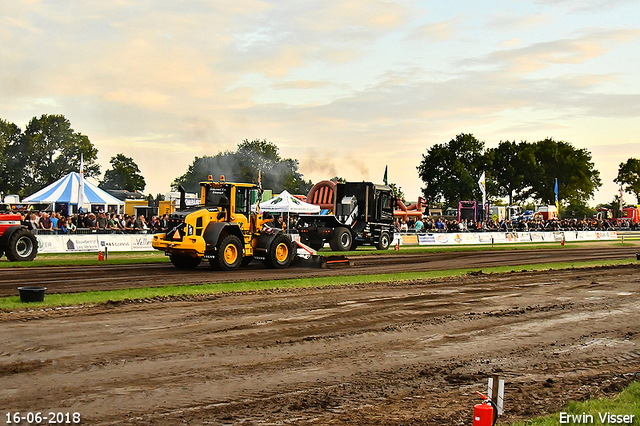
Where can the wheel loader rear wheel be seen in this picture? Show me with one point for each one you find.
(280, 253)
(229, 254)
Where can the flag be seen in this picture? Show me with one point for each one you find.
(81, 199)
(556, 192)
(483, 187)
(385, 179)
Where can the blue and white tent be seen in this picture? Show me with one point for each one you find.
(66, 191)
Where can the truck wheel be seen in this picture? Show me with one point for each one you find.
(184, 262)
(384, 242)
(229, 254)
(341, 240)
(22, 246)
(280, 253)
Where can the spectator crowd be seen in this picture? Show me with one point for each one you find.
(86, 223)
(437, 224)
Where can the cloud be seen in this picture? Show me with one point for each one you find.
(437, 31)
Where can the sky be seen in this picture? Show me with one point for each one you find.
(346, 87)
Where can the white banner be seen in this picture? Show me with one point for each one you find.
(463, 238)
(142, 242)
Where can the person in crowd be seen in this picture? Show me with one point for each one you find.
(279, 223)
(128, 223)
(111, 223)
(91, 221)
(140, 224)
(154, 225)
(101, 221)
(63, 227)
(45, 222)
(418, 227)
(54, 220)
(30, 222)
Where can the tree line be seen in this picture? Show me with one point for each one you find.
(517, 171)
(48, 149)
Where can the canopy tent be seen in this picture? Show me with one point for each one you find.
(67, 191)
(287, 203)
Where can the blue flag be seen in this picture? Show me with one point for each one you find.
(556, 191)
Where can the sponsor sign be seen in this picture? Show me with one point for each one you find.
(50, 244)
(114, 243)
(141, 242)
(426, 239)
(74, 243)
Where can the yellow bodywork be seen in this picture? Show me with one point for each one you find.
(191, 242)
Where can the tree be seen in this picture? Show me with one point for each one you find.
(450, 171)
(510, 162)
(10, 177)
(577, 178)
(397, 192)
(47, 150)
(258, 157)
(629, 175)
(124, 174)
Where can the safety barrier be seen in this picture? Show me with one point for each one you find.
(93, 243)
(141, 242)
(464, 238)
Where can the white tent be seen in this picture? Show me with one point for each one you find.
(67, 191)
(287, 203)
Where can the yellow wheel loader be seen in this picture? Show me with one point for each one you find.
(224, 229)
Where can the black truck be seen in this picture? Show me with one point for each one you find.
(363, 215)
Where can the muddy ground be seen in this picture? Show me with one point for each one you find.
(405, 353)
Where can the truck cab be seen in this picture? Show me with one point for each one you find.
(363, 215)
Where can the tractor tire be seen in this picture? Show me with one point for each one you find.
(342, 240)
(384, 242)
(185, 262)
(280, 253)
(229, 254)
(22, 246)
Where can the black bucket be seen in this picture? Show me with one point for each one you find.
(637, 256)
(31, 294)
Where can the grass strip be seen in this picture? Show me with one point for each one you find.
(96, 297)
(593, 411)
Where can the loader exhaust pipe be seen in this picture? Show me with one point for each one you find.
(183, 197)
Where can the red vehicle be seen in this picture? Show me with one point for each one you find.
(15, 240)
(629, 215)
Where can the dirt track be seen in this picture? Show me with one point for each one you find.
(401, 353)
